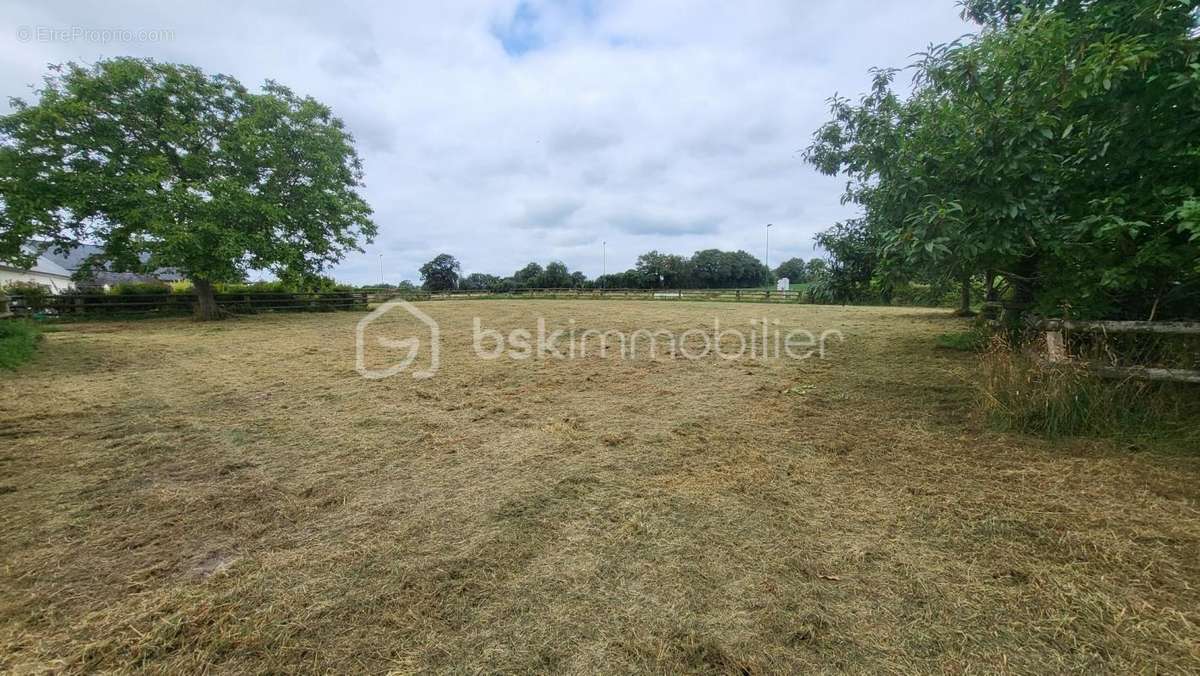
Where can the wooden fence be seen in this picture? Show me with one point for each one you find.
(1055, 330)
(733, 295)
(110, 305)
(102, 305)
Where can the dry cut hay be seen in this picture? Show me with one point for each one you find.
(182, 497)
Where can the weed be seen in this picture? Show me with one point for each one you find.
(1024, 393)
(18, 342)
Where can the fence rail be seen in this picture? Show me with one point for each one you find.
(744, 295)
(1121, 326)
(101, 305)
(1055, 330)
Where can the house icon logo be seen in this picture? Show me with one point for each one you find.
(410, 345)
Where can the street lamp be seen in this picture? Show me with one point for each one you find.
(381, 280)
(603, 263)
(767, 255)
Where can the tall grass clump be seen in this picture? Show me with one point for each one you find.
(18, 341)
(1023, 392)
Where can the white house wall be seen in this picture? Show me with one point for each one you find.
(56, 283)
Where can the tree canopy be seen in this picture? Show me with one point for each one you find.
(711, 268)
(794, 269)
(1057, 148)
(441, 273)
(167, 167)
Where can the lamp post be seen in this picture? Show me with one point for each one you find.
(381, 280)
(603, 263)
(767, 254)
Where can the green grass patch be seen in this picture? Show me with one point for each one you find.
(18, 342)
(972, 340)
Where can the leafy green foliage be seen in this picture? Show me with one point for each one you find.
(713, 268)
(441, 273)
(1058, 147)
(853, 259)
(529, 276)
(139, 288)
(659, 270)
(795, 269)
(317, 284)
(478, 281)
(34, 295)
(556, 276)
(167, 167)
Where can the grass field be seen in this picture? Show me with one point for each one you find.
(181, 496)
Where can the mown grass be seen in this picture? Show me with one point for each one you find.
(18, 342)
(183, 497)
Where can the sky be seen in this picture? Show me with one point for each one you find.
(510, 131)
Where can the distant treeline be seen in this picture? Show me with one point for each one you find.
(707, 269)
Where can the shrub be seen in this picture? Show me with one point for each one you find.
(255, 287)
(139, 288)
(820, 291)
(34, 295)
(18, 341)
(310, 285)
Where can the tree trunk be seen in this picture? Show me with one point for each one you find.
(206, 301)
(964, 303)
(989, 295)
(1023, 282)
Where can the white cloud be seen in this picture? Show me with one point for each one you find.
(505, 131)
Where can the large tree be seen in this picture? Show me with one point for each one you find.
(556, 276)
(715, 269)
(529, 277)
(1058, 148)
(794, 269)
(441, 273)
(663, 270)
(167, 167)
(853, 259)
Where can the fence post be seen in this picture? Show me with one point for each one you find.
(1055, 347)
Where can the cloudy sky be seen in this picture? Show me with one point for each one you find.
(515, 130)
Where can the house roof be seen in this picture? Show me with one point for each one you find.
(43, 265)
(72, 259)
(48, 267)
